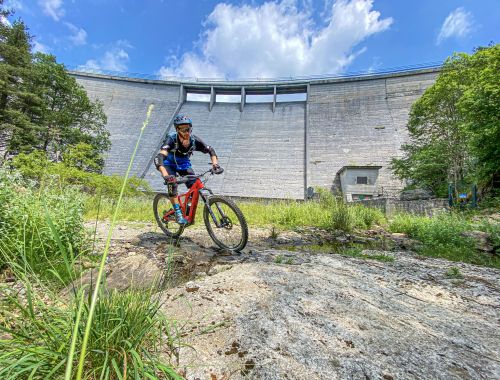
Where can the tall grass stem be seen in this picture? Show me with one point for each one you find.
(103, 259)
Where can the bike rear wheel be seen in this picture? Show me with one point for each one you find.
(165, 216)
(230, 232)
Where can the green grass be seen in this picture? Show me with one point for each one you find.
(329, 213)
(441, 236)
(137, 208)
(127, 333)
(116, 335)
(41, 228)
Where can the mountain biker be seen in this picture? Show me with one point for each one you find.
(174, 158)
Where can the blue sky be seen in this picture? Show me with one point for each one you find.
(249, 39)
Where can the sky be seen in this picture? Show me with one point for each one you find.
(255, 39)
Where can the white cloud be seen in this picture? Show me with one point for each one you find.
(278, 39)
(457, 24)
(115, 59)
(79, 36)
(16, 5)
(39, 47)
(52, 8)
(5, 21)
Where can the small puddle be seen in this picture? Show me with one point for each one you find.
(374, 249)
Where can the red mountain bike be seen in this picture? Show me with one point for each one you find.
(225, 222)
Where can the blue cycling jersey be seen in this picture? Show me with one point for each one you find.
(178, 155)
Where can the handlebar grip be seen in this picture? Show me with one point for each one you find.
(182, 180)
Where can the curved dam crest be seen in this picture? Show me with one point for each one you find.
(273, 149)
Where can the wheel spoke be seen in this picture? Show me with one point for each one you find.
(230, 231)
(167, 223)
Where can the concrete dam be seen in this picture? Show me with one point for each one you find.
(278, 138)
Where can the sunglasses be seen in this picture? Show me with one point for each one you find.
(184, 130)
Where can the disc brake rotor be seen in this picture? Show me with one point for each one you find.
(226, 223)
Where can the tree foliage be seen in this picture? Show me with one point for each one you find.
(454, 127)
(41, 106)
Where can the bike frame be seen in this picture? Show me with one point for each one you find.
(192, 196)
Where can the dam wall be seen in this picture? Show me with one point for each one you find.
(360, 123)
(125, 105)
(268, 150)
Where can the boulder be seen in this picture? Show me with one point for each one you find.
(128, 272)
(403, 242)
(482, 240)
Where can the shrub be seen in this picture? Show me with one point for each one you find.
(41, 228)
(342, 218)
(346, 216)
(367, 217)
(38, 167)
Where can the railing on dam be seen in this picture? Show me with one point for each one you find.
(365, 73)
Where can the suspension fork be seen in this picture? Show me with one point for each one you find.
(205, 200)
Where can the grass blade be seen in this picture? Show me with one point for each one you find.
(105, 253)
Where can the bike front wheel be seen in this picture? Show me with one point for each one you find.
(225, 223)
(165, 216)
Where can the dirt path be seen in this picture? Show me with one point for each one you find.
(279, 311)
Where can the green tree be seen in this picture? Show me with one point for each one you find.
(454, 126)
(42, 107)
(69, 117)
(480, 107)
(19, 108)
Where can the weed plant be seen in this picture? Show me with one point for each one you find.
(329, 213)
(116, 335)
(454, 272)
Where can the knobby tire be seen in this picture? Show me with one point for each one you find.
(217, 199)
(171, 229)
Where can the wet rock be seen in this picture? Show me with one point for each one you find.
(342, 239)
(374, 252)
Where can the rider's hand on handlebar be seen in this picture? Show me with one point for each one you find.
(169, 179)
(216, 169)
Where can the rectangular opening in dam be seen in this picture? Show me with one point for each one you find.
(259, 98)
(190, 97)
(295, 97)
(222, 98)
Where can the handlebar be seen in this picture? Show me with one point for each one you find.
(188, 177)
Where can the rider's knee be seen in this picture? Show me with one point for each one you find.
(172, 189)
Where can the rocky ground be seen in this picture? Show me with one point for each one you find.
(288, 307)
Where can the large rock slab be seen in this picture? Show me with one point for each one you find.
(337, 317)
